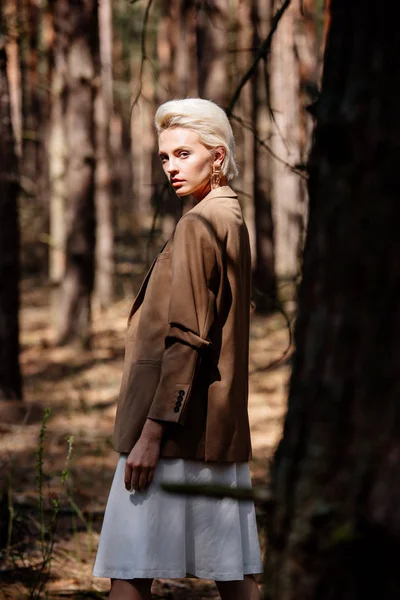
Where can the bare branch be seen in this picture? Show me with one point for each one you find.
(260, 495)
(262, 143)
(261, 369)
(262, 52)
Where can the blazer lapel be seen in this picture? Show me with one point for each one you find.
(142, 290)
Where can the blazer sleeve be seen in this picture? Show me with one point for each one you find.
(191, 314)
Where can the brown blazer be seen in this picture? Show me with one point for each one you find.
(186, 354)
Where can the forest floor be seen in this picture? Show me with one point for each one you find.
(80, 387)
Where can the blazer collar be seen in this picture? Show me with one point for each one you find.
(221, 192)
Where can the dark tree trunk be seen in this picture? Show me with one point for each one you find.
(264, 272)
(29, 19)
(10, 376)
(79, 20)
(334, 527)
(309, 60)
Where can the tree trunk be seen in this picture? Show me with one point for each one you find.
(11, 21)
(334, 526)
(178, 78)
(57, 155)
(10, 376)
(29, 19)
(240, 61)
(212, 45)
(78, 21)
(309, 59)
(284, 141)
(104, 280)
(264, 272)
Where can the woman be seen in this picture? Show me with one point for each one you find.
(182, 410)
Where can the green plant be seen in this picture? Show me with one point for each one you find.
(48, 527)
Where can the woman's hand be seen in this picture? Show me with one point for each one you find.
(143, 458)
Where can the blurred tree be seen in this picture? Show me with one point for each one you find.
(76, 26)
(264, 272)
(308, 55)
(104, 279)
(10, 376)
(287, 208)
(32, 102)
(178, 78)
(240, 59)
(143, 86)
(57, 157)
(334, 526)
(212, 31)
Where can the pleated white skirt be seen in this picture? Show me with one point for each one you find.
(154, 534)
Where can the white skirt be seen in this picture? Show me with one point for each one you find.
(154, 534)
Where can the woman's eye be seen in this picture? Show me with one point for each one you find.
(184, 154)
(163, 159)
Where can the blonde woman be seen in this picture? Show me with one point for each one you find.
(182, 410)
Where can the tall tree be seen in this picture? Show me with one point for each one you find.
(241, 60)
(309, 59)
(76, 21)
(264, 272)
(334, 527)
(57, 157)
(212, 21)
(10, 376)
(104, 280)
(288, 210)
(178, 78)
(29, 19)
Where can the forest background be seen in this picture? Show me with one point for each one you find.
(79, 85)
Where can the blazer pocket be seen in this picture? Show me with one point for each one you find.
(163, 256)
(148, 362)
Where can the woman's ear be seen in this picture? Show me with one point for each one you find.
(219, 155)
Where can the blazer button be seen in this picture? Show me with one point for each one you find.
(181, 392)
(178, 403)
(176, 409)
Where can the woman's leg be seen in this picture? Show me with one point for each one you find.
(132, 589)
(246, 589)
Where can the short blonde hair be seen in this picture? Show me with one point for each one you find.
(207, 119)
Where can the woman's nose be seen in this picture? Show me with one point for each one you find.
(172, 167)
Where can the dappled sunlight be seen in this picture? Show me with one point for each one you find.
(81, 390)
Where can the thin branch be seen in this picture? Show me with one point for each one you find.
(260, 495)
(278, 306)
(262, 52)
(267, 148)
(270, 109)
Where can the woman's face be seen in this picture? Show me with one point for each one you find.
(186, 162)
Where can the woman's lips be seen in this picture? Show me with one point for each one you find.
(175, 182)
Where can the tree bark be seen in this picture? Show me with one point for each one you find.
(334, 526)
(309, 60)
(10, 375)
(79, 20)
(104, 279)
(284, 142)
(178, 78)
(11, 21)
(240, 61)
(29, 19)
(264, 273)
(212, 45)
(57, 156)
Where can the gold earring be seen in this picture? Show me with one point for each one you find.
(216, 174)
